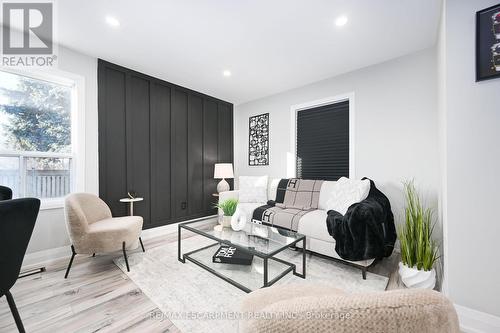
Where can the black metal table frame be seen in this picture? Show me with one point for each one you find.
(266, 257)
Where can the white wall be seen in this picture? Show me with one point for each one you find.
(50, 229)
(472, 167)
(396, 123)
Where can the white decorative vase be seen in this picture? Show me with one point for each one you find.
(238, 220)
(417, 278)
(223, 186)
(225, 221)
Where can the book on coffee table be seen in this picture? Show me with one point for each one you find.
(231, 255)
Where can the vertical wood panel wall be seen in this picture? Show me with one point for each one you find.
(160, 141)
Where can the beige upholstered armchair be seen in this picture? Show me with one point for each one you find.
(93, 230)
(318, 309)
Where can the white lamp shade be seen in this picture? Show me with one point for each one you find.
(223, 170)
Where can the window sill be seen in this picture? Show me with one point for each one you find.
(55, 203)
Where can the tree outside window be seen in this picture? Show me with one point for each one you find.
(35, 136)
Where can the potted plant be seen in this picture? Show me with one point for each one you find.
(419, 251)
(228, 207)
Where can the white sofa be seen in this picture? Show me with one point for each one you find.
(312, 224)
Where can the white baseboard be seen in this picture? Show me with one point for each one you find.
(34, 259)
(473, 321)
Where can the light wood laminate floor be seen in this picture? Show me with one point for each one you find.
(99, 297)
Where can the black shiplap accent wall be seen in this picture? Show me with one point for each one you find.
(161, 141)
(210, 150)
(160, 124)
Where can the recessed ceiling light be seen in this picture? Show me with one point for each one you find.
(341, 21)
(112, 21)
(226, 73)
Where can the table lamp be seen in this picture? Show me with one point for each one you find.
(223, 171)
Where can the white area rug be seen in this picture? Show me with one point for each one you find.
(181, 290)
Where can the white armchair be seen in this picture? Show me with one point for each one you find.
(92, 229)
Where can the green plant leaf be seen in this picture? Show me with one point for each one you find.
(418, 249)
(228, 206)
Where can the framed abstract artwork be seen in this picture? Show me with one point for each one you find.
(258, 140)
(488, 43)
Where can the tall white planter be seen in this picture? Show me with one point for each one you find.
(416, 278)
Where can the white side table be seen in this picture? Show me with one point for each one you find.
(131, 203)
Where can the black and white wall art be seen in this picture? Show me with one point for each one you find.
(488, 43)
(258, 140)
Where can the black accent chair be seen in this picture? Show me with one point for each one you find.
(17, 220)
(5, 193)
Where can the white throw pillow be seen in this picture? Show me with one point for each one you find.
(325, 193)
(346, 193)
(253, 189)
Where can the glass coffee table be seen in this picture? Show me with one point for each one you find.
(263, 242)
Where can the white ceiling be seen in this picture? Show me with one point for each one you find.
(269, 45)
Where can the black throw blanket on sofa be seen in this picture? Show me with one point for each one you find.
(367, 229)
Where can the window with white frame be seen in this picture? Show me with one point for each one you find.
(323, 141)
(36, 155)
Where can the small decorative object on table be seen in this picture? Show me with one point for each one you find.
(230, 255)
(238, 220)
(228, 207)
(223, 171)
(419, 251)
